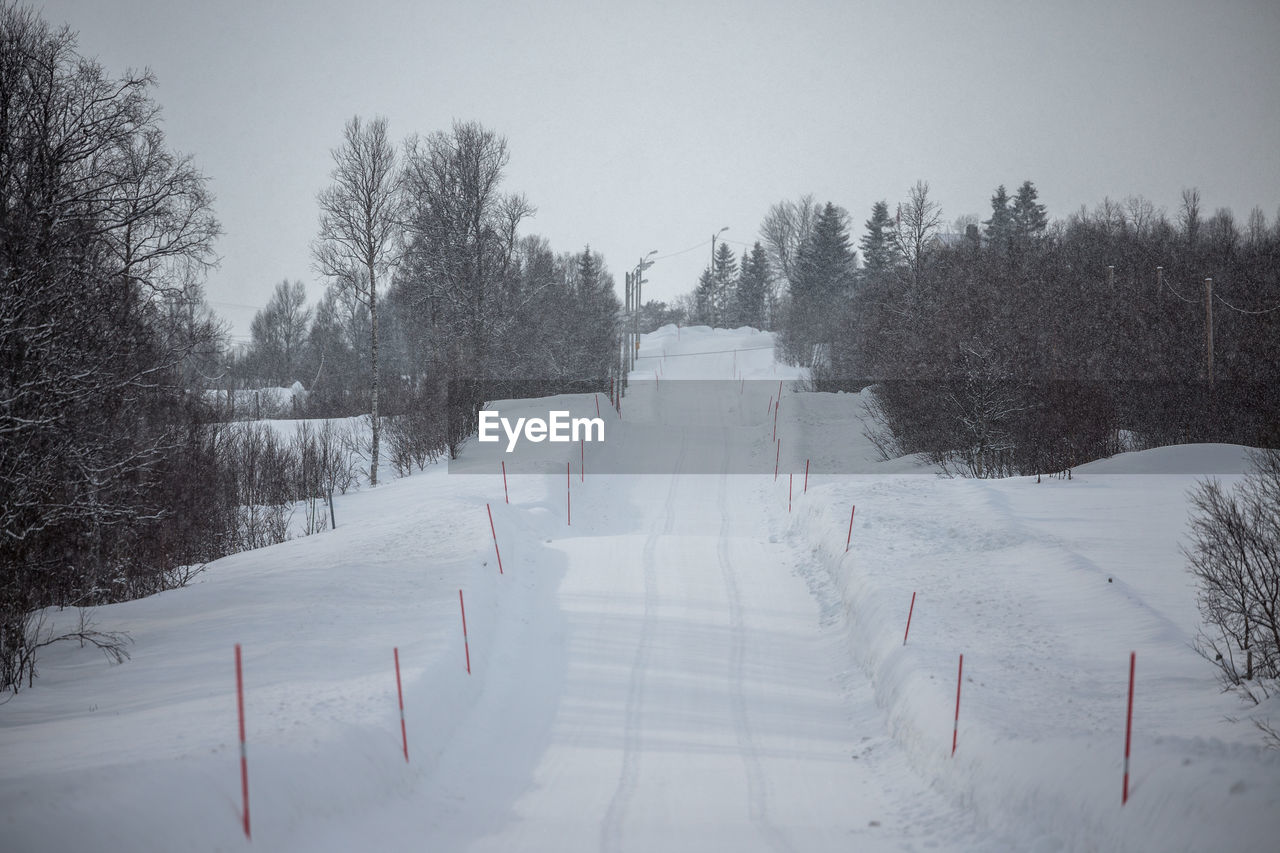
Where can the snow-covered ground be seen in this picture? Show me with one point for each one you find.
(686, 666)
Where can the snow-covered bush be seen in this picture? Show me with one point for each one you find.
(1235, 557)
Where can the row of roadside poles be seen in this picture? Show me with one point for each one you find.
(634, 288)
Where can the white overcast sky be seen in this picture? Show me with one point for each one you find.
(649, 125)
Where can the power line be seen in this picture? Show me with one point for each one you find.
(1242, 310)
(707, 352)
(681, 252)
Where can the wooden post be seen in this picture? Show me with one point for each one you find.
(1128, 730)
(244, 762)
(404, 737)
(955, 730)
(1208, 329)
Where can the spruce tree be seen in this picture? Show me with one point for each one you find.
(753, 288)
(726, 267)
(999, 230)
(1027, 217)
(704, 299)
(878, 249)
(822, 284)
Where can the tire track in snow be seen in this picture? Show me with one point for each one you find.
(757, 782)
(611, 828)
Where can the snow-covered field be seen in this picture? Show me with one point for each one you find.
(687, 666)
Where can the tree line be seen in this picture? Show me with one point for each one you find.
(1020, 345)
(119, 473)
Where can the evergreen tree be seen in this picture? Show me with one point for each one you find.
(704, 299)
(999, 230)
(753, 289)
(822, 284)
(1026, 217)
(588, 274)
(879, 252)
(726, 266)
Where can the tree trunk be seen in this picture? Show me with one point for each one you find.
(373, 338)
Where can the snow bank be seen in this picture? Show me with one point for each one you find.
(1045, 589)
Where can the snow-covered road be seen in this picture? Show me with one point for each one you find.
(704, 705)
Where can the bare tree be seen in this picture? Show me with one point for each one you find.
(1235, 557)
(278, 332)
(1189, 215)
(918, 220)
(785, 228)
(360, 218)
(103, 234)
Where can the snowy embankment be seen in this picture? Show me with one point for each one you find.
(688, 666)
(1045, 588)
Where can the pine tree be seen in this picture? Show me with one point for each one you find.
(726, 266)
(879, 252)
(999, 230)
(1027, 217)
(753, 288)
(588, 274)
(822, 284)
(704, 299)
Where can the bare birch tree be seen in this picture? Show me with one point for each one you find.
(359, 220)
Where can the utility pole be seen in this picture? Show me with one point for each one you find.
(1208, 329)
(637, 279)
(712, 271)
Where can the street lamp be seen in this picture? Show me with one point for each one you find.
(636, 280)
(711, 270)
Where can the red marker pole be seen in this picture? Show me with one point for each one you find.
(956, 728)
(404, 737)
(776, 457)
(791, 485)
(244, 761)
(806, 476)
(505, 493)
(597, 396)
(766, 411)
(910, 610)
(568, 504)
(1128, 730)
(849, 538)
(775, 417)
(466, 644)
(495, 538)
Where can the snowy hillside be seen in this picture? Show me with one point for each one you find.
(693, 660)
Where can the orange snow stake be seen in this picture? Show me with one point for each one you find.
(495, 538)
(910, 610)
(244, 761)
(404, 737)
(466, 645)
(1128, 730)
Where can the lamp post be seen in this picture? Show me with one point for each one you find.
(637, 279)
(712, 269)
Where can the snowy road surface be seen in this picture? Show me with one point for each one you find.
(703, 705)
